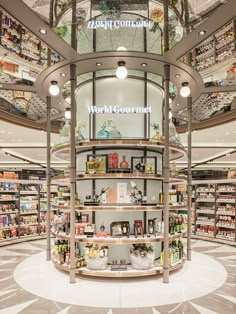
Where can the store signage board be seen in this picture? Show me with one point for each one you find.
(118, 109)
(115, 24)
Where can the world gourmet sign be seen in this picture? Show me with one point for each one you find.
(115, 24)
(118, 109)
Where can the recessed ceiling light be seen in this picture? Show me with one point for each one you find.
(194, 131)
(98, 64)
(227, 133)
(202, 32)
(2, 131)
(233, 131)
(19, 140)
(43, 31)
(59, 103)
(177, 75)
(217, 140)
(222, 140)
(63, 74)
(177, 104)
(143, 64)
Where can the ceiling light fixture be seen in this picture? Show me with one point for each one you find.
(227, 133)
(98, 64)
(177, 75)
(185, 90)
(143, 64)
(121, 71)
(63, 74)
(54, 90)
(68, 113)
(43, 31)
(68, 100)
(202, 32)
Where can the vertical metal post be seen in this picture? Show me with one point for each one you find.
(72, 172)
(166, 148)
(189, 177)
(166, 174)
(48, 177)
(72, 147)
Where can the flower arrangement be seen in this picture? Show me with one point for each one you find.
(141, 256)
(96, 258)
(157, 16)
(157, 136)
(141, 250)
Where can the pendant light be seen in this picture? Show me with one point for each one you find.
(68, 114)
(185, 90)
(54, 90)
(121, 71)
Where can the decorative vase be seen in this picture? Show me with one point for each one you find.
(103, 133)
(142, 262)
(97, 263)
(114, 133)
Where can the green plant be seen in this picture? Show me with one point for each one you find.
(61, 30)
(155, 126)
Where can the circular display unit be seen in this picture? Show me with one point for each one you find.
(61, 151)
(120, 208)
(79, 177)
(118, 240)
(130, 272)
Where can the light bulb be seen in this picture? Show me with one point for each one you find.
(121, 71)
(185, 90)
(68, 114)
(68, 100)
(54, 90)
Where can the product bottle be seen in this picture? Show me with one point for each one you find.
(124, 164)
(161, 198)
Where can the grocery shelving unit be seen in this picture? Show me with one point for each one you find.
(215, 206)
(20, 210)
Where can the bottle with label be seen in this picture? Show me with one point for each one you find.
(161, 198)
(124, 164)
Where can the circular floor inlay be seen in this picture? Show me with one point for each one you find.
(197, 278)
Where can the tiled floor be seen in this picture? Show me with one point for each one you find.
(207, 286)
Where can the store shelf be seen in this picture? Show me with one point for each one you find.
(130, 272)
(9, 200)
(224, 191)
(61, 151)
(9, 191)
(29, 213)
(218, 239)
(13, 212)
(226, 227)
(225, 201)
(29, 192)
(8, 227)
(122, 240)
(120, 207)
(97, 176)
(205, 223)
(29, 201)
(202, 211)
(206, 200)
(225, 213)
